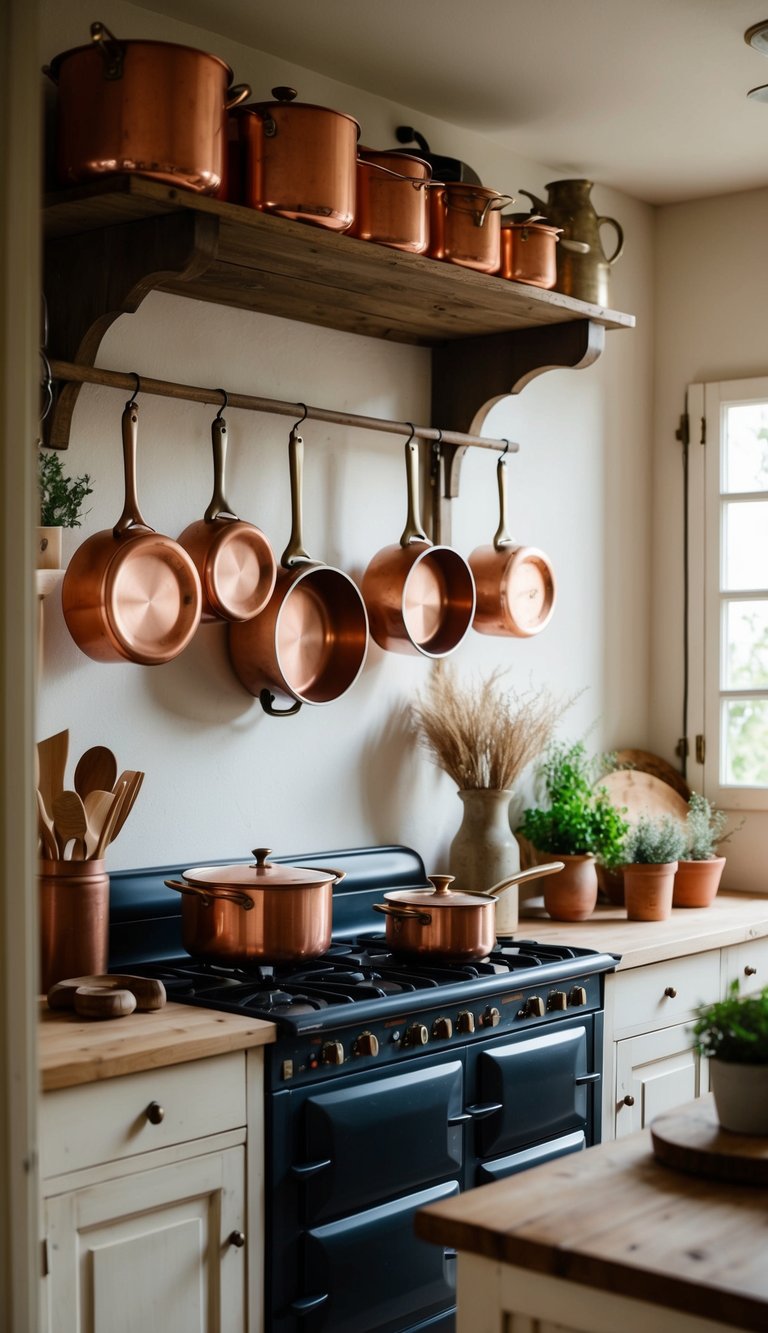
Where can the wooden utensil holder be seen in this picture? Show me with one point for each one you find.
(74, 920)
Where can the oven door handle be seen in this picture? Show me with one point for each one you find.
(307, 1304)
(307, 1169)
(479, 1112)
(587, 1078)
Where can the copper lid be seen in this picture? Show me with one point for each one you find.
(439, 896)
(262, 875)
(285, 97)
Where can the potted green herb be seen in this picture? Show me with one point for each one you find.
(578, 824)
(61, 506)
(733, 1035)
(700, 869)
(652, 849)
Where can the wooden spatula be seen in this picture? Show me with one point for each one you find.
(52, 759)
(97, 805)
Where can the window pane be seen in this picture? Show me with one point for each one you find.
(745, 543)
(746, 645)
(745, 737)
(745, 462)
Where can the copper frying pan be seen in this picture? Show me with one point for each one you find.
(515, 584)
(420, 597)
(129, 594)
(234, 560)
(310, 642)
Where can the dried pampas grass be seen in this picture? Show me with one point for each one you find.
(481, 735)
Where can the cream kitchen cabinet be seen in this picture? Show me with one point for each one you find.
(746, 963)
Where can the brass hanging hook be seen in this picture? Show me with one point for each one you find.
(223, 408)
(137, 389)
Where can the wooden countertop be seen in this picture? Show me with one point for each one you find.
(616, 1219)
(73, 1050)
(731, 919)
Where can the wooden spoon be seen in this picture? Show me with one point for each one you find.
(69, 821)
(135, 780)
(52, 758)
(96, 771)
(107, 828)
(97, 805)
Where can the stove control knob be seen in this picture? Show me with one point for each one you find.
(578, 995)
(465, 1021)
(534, 1007)
(442, 1027)
(491, 1018)
(417, 1035)
(557, 1000)
(366, 1044)
(332, 1053)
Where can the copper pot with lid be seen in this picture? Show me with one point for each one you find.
(258, 911)
(445, 922)
(300, 160)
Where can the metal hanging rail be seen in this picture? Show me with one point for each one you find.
(113, 379)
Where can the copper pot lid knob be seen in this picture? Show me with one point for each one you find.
(284, 94)
(441, 883)
(261, 854)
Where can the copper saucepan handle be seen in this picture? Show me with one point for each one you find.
(295, 553)
(219, 508)
(210, 896)
(413, 530)
(238, 93)
(522, 877)
(131, 516)
(398, 175)
(501, 537)
(404, 913)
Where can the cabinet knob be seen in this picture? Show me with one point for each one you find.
(155, 1113)
(237, 1238)
(750, 971)
(670, 992)
(628, 1100)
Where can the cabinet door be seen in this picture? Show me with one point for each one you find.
(151, 1250)
(654, 1072)
(748, 964)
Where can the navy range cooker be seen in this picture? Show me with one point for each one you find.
(393, 1083)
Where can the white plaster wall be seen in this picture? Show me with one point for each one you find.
(710, 325)
(221, 776)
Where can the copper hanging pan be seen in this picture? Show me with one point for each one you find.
(420, 597)
(310, 642)
(129, 594)
(515, 584)
(234, 560)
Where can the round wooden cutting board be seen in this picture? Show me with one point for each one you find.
(646, 762)
(691, 1140)
(643, 794)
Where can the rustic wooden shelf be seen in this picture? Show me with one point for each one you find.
(110, 243)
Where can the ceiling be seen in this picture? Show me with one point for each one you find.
(648, 96)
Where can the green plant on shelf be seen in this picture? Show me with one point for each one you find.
(735, 1029)
(61, 497)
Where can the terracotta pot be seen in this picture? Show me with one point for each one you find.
(74, 920)
(741, 1096)
(572, 895)
(648, 891)
(697, 882)
(611, 884)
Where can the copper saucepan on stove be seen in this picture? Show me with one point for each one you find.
(130, 594)
(420, 597)
(310, 642)
(515, 584)
(258, 912)
(234, 560)
(446, 923)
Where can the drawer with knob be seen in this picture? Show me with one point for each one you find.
(748, 964)
(662, 994)
(137, 1113)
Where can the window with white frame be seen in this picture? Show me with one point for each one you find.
(728, 511)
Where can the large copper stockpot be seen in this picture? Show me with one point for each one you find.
(248, 913)
(152, 108)
(300, 160)
(465, 227)
(310, 642)
(234, 560)
(420, 597)
(447, 923)
(129, 594)
(392, 200)
(515, 585)
(529, 251)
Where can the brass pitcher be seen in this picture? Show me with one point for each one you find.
(583, 268)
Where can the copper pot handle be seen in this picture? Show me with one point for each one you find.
(238, 93)
(404, 913)
(112, 51)
(267, 701)
(294, 553)
(131, 516)
(413, 530)
(398, 175)
(210, 896)
(501, 536)
(219, 508)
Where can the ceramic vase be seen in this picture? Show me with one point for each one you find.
(741, 1096)
(571, 894)
(485, 851)
(697, 882)
(648, 890)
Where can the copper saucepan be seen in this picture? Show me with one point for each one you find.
(129, 594)
(447, 923)
(234, 560)
(310, 642)
(420, 597)
(392, 200)
(465, 226)
(515, 584)
(243, 914)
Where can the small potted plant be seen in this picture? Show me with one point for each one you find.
(652, 849)
(700, 869)
(733, 1035)
(61, 506)
(578, 824)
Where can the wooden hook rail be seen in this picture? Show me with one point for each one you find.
(80, 374)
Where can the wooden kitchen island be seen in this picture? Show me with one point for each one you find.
(604, 1241)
